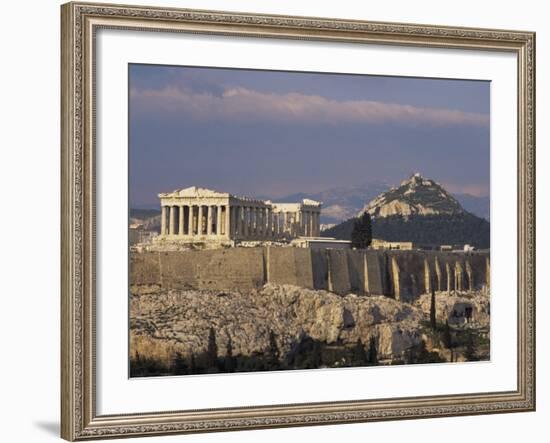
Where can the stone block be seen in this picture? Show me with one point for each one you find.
(145, 269)
(319, 262)
(339, 281)
(289, 266)
(374, 273)
(356, 270)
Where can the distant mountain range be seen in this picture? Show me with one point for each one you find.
(480, 206)
(342, 203)
(339, 203)
(422, 211)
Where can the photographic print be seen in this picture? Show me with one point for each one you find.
(299, 220)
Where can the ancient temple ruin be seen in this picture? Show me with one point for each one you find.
(199, 214)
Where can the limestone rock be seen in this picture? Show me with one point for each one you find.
(415, 196)
(180, 320)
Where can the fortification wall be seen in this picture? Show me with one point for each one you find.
(338, 274)
(404, 275)
(319, 263)
(289, 266)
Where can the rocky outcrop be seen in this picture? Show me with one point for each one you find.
(172, 321)
(415, 196)
(471, 309)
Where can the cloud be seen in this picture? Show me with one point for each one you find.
(246, 105)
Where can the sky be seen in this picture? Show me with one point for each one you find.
(275, 133)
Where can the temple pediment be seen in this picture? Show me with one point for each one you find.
(309, 202)
(194, 191)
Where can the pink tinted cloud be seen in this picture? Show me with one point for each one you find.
(241, 104)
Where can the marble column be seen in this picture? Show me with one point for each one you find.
(218, 220)
(250, 222)
(227, 221)
(209, 220)
(238, 217)
(163, 220)
(269, 222)
(261, 220)
(172, 219)
(318, 223)
(190, 221)
(199, 221)
(245, 222)
(180, 224)
(312, 224)
(232, 216)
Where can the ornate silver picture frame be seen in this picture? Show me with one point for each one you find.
(80, 23)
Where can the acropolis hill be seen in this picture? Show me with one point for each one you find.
(251, 296)
(208, 224)
(255, 271)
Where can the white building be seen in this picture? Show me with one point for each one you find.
(199, 214)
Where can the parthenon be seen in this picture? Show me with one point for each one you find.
(199, 214)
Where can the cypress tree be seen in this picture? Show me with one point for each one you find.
(372, 354)
(447, 337)
(212, 352)
(359, 355)
(272, 351)
(432, 311)
(470, 353)
(229, 359)
(179, 365)
(316, 357)
(361, 235)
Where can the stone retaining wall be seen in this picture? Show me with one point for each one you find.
(404, 275)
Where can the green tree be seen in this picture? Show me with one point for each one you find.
(372, 353)
(470, 352)
(420, 354)
(230, 362)
(447, 336)
(361, 235)
(179, 365)
(273, 352)
(212, 352)
(316, 357)
(432, 311)
(447, 339)
(359, 355)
